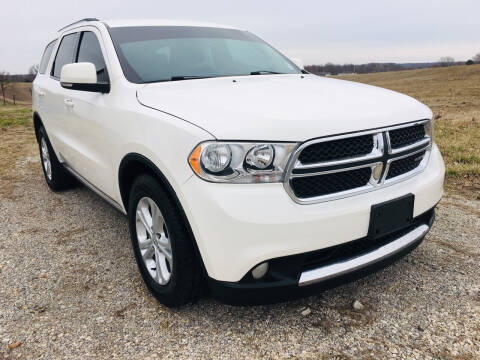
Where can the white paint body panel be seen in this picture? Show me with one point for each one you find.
(235, 226)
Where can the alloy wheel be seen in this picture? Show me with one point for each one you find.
(47, 165)
(154, 241)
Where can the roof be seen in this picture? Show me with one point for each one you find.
(162, 22)
(145, 22)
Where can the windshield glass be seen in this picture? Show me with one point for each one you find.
(166, 53)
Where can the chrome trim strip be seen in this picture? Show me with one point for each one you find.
(424, 142)
(413, 123)
(347, 266)
(97, 191)
(370, 165)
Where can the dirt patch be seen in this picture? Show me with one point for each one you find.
(69, 235)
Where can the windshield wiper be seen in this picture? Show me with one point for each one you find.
(188, 77)
(262, 72)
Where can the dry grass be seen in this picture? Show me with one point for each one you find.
(17, 141)
(22, 92)
(15, 115)
(454, 96)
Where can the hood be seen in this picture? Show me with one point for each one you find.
(281, 107)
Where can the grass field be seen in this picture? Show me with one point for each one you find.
(452, 93)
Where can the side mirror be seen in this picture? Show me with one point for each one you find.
(82, 76)
(298, 62)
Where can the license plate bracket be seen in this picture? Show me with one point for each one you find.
(391, 216)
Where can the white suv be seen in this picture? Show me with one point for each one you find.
(238, 170)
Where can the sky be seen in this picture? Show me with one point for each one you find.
(317, 32)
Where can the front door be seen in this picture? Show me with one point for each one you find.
(89, 120)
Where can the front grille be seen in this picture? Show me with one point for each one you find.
(405, 165)
(323, 169)
(406, 136)
(337, 149)
(311, 186)
(361, 246)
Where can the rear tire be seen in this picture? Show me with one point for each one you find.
(162, 245)
(56, 176)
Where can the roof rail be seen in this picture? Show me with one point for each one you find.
(79, 21)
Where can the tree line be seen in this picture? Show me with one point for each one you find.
(335, 69)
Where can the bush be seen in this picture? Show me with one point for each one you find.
(469, 62)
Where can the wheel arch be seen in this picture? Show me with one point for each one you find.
(134, 164)
(37, 123)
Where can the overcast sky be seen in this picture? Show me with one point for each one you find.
(342, 31)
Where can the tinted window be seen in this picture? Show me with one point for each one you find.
(165, 53)
(90, 51)
(46, 57)
(65, 53)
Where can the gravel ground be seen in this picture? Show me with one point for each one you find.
(70, 289)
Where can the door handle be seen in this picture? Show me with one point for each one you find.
(41, 93)
(68, 102)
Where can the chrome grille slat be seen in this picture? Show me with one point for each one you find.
(380, 158)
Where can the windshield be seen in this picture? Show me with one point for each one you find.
(168, 53)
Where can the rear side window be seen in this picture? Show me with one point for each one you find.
(90, 51)
(46, 57)
(65, 53)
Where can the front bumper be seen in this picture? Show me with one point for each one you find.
(295, 276)
(238, 226)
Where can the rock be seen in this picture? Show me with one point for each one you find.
(357, 305)
(14, 345)
(306, 312)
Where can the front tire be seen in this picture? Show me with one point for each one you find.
(56, 176)
(162, 245)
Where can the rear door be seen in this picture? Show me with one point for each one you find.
(57, 112)
(41, 80)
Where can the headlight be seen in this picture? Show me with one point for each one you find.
(216, 158)
(260, 157)
(429, 129)
(241, 162)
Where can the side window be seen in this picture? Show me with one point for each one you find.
(46, 57)
(65, 53)
(90, 51)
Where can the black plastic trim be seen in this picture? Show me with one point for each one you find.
(97, 87)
